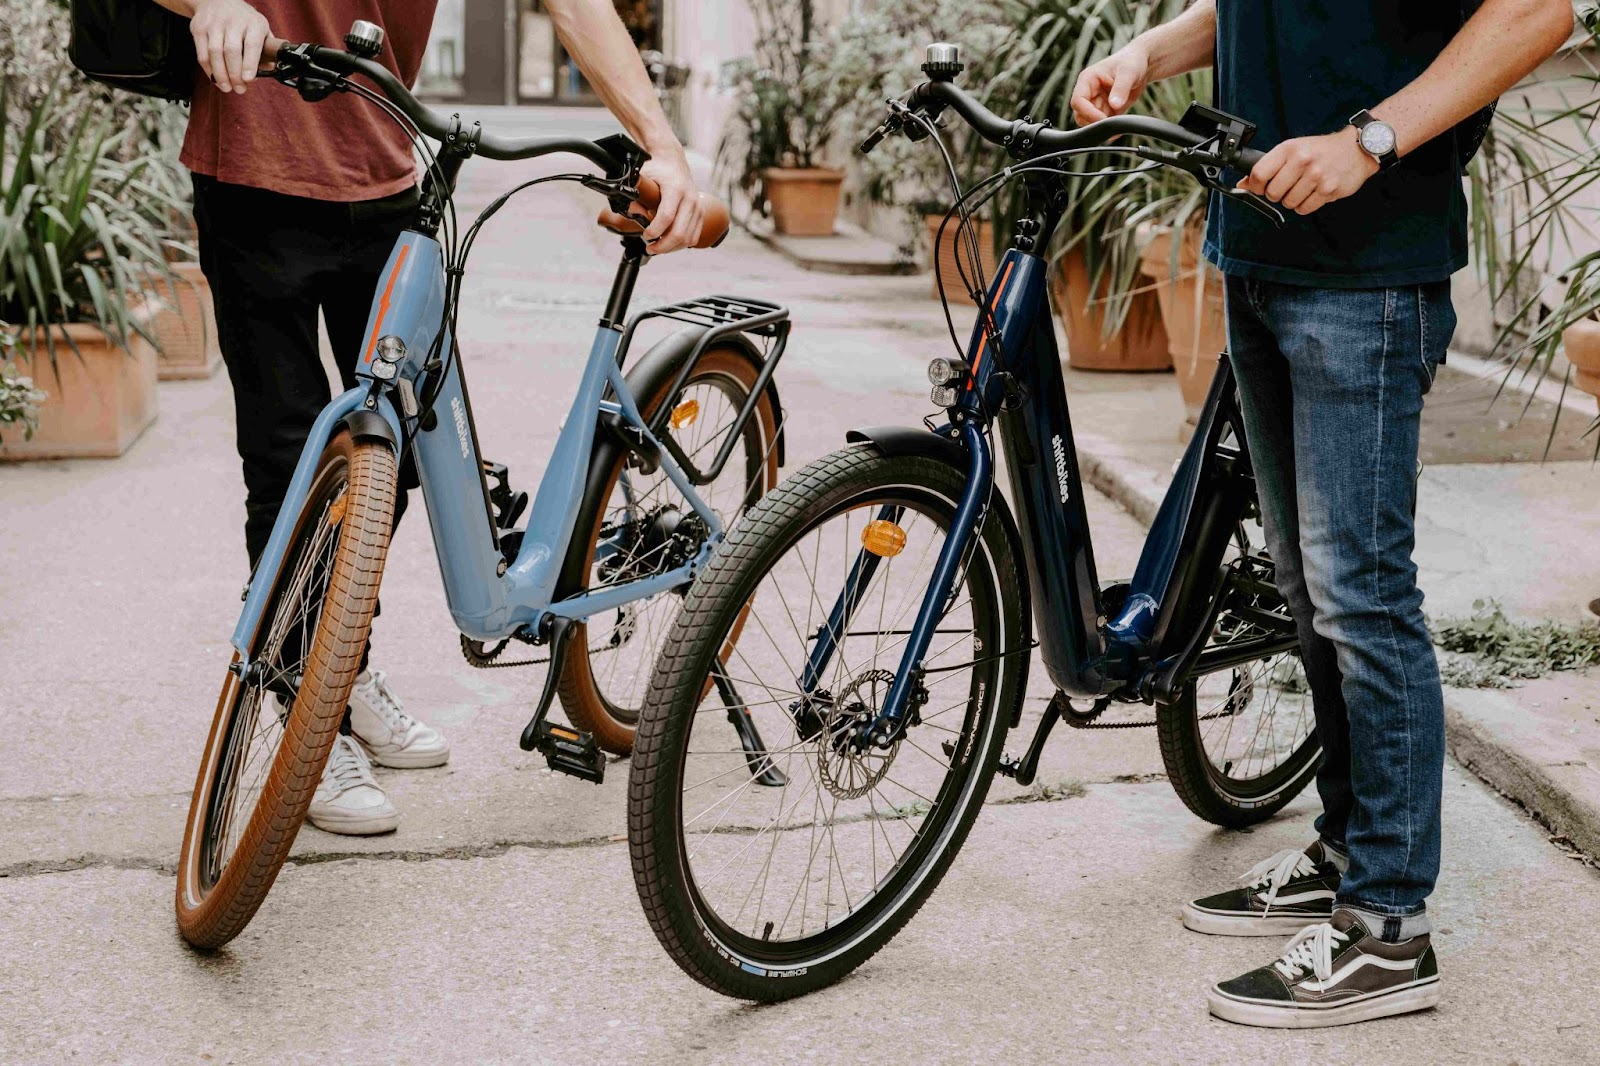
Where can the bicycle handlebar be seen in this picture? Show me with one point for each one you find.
(993, 128)
(432, 124)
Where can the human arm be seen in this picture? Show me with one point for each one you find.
(595, 37)
(1498, 47)
(1110, 86)
(228, 38)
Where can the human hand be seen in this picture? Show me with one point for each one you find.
(1305, 173)
(228, 38)
(1110, 86)
(677, 219)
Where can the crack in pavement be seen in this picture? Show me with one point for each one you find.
(1056, 793)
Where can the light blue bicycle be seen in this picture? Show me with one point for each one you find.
(649, 469)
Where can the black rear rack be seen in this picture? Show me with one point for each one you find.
(719, 316)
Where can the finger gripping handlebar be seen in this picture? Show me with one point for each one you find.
(713, 223)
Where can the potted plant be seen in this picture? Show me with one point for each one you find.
(80, 250)
(905, 176)
(1111, 317)
(789, 101)
(19, 400)
(1190, 293)
(183, 322)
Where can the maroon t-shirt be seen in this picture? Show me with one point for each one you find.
(343, 148)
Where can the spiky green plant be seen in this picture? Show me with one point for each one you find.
(1033, 73)
(80, 239)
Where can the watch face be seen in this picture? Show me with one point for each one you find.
(1377, 138)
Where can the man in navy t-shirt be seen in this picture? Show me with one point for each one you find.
(1337, 323)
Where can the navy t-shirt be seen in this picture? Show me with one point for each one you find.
(1297, 68)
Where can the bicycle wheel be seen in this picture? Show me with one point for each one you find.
(766, 893)
(275, 725)
(1240, 743)
(643, 526)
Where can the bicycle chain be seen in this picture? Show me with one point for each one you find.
(482, 657)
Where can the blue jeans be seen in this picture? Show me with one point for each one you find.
(1331, 383)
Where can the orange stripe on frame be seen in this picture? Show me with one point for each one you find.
(383, 304)
(983, 343)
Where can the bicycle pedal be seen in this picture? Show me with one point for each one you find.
(569, 751)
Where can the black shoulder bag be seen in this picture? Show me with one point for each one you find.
(136, 45)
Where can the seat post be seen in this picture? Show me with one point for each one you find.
(634, 256)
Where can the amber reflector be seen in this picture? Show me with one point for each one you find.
(336, 510)
(685, 413)
(884, 538)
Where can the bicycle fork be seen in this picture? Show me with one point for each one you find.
(891, 719)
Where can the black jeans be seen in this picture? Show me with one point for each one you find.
(273, 262)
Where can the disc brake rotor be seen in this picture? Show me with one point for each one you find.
(845, 772)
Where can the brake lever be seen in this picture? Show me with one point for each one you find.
(1209, 174)
(1251, 200)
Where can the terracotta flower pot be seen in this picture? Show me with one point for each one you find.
(1582, 343)
(804, 199)
(945, 255)
(186, 326)
(1141, 343)
(1192, 312)
(101, 397)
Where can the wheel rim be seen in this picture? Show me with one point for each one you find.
(1257, 726)
(873, 823)
(622, 645)
(263, 699)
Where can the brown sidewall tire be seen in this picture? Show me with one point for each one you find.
(580, 696)
(209, 919)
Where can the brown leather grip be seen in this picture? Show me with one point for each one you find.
(714, 220)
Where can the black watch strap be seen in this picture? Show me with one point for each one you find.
(1360, 120)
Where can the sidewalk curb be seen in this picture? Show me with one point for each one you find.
(1479, 733)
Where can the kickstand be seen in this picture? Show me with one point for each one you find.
(565, 750)
(755, 749)
(1024, 769)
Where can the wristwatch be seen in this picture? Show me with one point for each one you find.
(1376, 138)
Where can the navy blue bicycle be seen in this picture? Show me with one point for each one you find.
(890, 604)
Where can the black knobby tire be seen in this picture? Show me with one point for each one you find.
(1208, 771)
(261, 767)
(703, 939)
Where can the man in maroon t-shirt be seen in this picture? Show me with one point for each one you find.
(297, 208)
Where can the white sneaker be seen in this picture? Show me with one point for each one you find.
(390, 735)
(349, 800)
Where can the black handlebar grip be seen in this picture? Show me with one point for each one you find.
(1246, 158)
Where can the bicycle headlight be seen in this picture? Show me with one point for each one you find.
(389, 349)
(384, 371)
(946, 371)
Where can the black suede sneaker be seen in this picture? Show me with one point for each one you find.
(1277, 897)
(1332, 974)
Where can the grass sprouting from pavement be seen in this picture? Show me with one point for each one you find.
(1490, 650)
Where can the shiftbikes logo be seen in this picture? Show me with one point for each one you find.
(1061, 466)
(460, 412)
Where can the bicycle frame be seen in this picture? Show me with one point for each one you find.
(1153, 642)
(489, 597)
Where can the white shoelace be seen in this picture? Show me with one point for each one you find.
(1311, 949)
(1275, 872)
(347, 766)
(388, 706)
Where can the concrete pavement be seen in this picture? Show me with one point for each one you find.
(500, 922)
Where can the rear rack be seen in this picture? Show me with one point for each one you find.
(720, 316)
